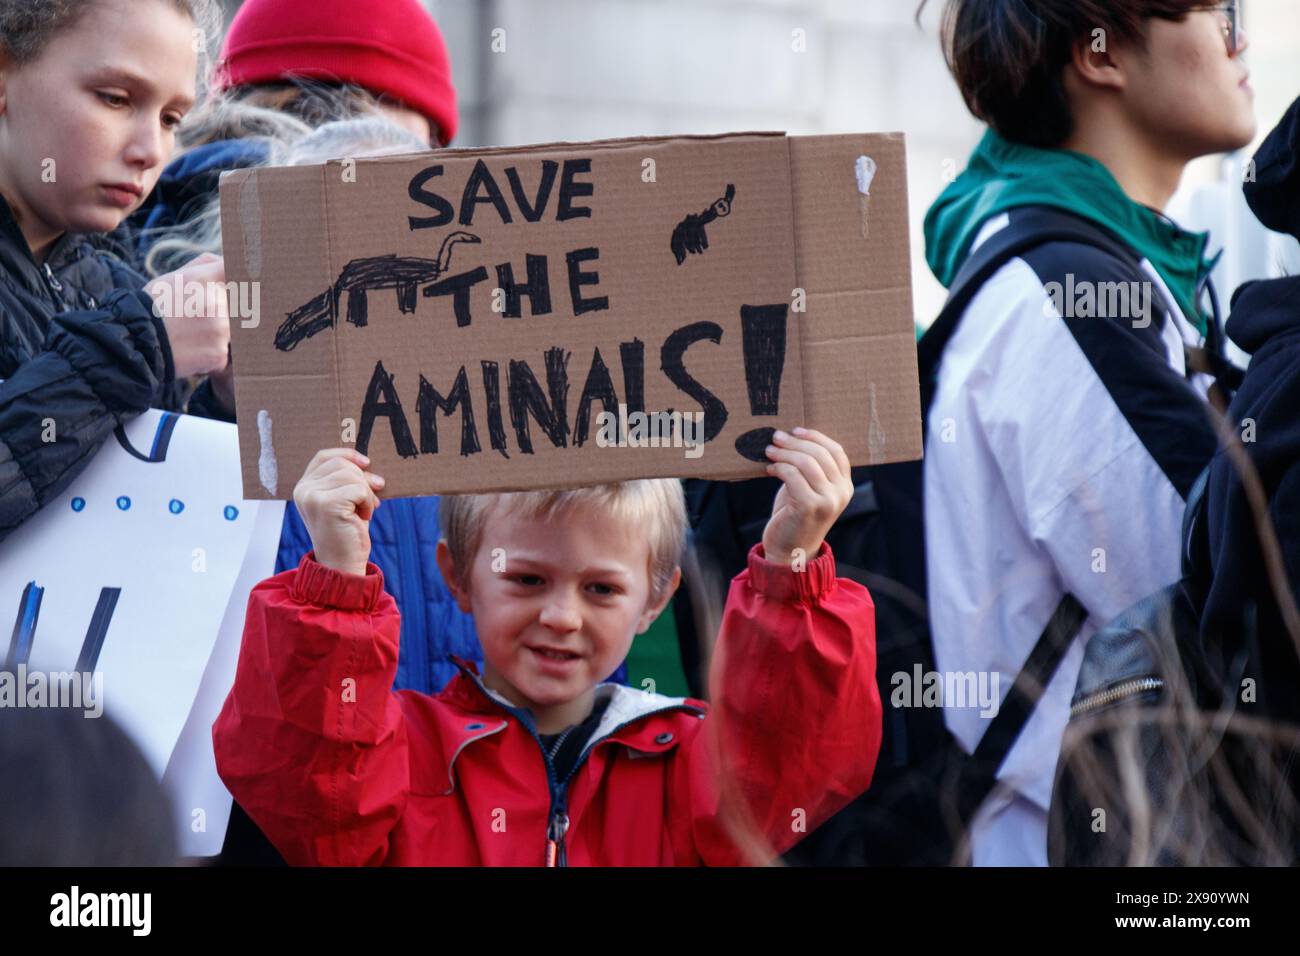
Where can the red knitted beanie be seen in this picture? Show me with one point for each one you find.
(388, 47)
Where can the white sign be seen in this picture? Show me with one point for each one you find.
(121, 586)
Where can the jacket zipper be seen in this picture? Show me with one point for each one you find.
(555, 830)
(557, 825)
(1121, 691)
(55, 285)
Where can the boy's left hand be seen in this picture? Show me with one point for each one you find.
(815, 490)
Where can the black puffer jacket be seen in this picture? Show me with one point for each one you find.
(80, 352)
(1266, 412)
(1266, 323)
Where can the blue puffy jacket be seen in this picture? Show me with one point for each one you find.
(186, 187)
(403, 540)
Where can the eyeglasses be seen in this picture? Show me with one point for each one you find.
(1231, 25)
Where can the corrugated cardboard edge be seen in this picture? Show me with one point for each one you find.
(240, 203)
(877, 272)
(471, 152)
(332, 268)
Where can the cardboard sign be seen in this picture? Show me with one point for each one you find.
(507, 319)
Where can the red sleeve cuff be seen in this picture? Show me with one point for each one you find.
(316, 584)
(781, 582)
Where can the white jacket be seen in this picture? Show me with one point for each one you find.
(1058, 455)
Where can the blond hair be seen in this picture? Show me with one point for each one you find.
(656, 505)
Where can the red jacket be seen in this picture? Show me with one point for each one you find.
(336, 768)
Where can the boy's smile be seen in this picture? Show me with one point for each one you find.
(556, 601)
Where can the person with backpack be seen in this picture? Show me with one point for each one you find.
(91, 94)
(1068, 420)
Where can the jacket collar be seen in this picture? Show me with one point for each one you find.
(1002, 175)
(626, 706)
(16, 257)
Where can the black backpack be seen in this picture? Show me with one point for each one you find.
(926, 789)
(1168, 760)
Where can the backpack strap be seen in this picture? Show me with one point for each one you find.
(1030, 227)
(980, 771)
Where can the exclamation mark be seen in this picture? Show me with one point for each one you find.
(763, 328)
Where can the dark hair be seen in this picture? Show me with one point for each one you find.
(27, 26)
(1008, 56)
(76, 791)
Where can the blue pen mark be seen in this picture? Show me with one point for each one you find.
(176, 506)
(162, 437)
(123, 503)
(29, 610)
(78, 504)
(231, 512)
(99, 622)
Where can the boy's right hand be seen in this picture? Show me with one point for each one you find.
(336, 498)
(200, 343)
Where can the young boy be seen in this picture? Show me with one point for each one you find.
(1067, 426)
(536, 761)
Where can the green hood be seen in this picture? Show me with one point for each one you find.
(1002, 175)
